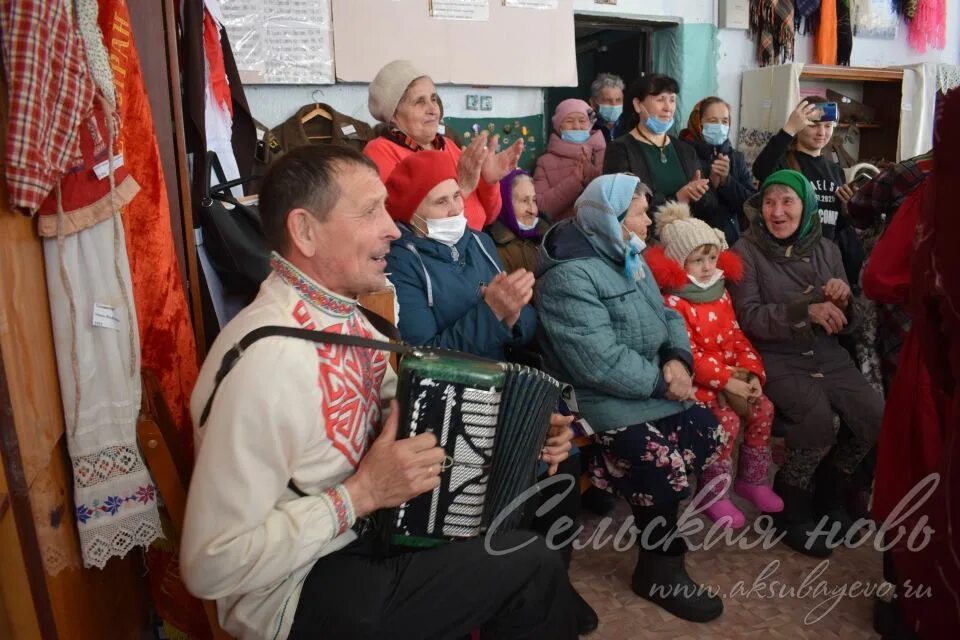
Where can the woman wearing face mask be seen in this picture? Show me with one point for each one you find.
(405, 100)
(667, 165)
(799, 146)
(519, 228)
(607, 332)
(451, 288)
(573, 158)
(708, 130)
(453, 294)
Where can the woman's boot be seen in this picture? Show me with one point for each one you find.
(797, 522)
(660, 575)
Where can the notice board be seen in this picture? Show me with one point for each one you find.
(515, 46)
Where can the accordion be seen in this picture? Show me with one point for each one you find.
(491, 418)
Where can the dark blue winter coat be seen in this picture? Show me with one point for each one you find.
(438, 290)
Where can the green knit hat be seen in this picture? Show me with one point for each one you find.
(804, 190)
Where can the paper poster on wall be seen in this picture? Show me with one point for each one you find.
(460, 9)
(281, 41)
(532, 4)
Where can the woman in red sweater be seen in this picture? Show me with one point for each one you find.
(405, 100)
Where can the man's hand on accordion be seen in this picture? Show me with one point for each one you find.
(394, 471)
(559, 441)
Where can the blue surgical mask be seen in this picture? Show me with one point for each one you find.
(715, 133)
(576, 136)
(610, 112)
(631, 263)
(658, 126)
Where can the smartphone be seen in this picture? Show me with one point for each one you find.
(829, 111)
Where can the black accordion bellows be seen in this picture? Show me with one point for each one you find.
(492, 419)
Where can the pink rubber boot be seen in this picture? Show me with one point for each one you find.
(721, 511)
(751, 481)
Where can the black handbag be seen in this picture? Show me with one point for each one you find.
(233, 237)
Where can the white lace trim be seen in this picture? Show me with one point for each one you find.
(948, 77)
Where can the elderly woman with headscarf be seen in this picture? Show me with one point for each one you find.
(574, 157)
(607, 332)
(792, 302)
(405, 100)
(519, 228)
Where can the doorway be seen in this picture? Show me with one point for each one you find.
(611, 45)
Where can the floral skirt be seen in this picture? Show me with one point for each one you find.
(647, 463)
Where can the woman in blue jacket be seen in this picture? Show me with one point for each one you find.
(607, 332)
(451, 288)
(453, 293)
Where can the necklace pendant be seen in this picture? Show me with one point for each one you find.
(663, 157)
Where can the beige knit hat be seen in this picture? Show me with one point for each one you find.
(388, 86)
(680, 234)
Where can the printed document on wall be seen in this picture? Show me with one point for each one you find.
(281, 41)
(532, 4)
(460, 9)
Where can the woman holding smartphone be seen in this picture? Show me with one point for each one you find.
(799, 146)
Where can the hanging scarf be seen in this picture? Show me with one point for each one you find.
(771, 22)
(906, 8)
(825, 40)
(928, 26)
(806, 12)
(844, 33)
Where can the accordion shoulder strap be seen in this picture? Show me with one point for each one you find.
(231, 357)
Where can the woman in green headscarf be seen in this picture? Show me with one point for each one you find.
(793, 302)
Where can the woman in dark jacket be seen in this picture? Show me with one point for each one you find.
(793, 302)
(708, 131)
(667, 165)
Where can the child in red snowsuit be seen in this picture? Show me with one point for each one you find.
(690, 265)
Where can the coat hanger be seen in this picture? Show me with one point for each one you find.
(317, 111)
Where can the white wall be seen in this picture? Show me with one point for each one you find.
(273, 104)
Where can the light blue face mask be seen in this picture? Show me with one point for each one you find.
(576, 136)
(658, 126)
(631, 262)
(715, 133)
(610, 112)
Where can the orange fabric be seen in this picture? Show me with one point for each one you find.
(825, 42)
(480, 209)
(166, 337)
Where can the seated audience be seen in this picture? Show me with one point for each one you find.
(606, 98)
(405, 100)
(573, 158)
(691, 264)
(799, 146)
(519, 228)
(607, 332)
(792, 303)
(668, 166)
(291, 465)
(453, 294)
(708, 130)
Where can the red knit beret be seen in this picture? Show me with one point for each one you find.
(413, 179)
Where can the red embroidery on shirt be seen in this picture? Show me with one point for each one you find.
(349, 379)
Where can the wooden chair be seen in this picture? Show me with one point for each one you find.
(170, 468)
